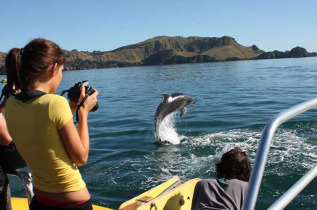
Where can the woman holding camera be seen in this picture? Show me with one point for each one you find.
(41, 124)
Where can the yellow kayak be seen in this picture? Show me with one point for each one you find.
(172, 194)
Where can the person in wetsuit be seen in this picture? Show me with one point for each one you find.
(41, 124)
(5, 141)
(10, 158)
(229, 190)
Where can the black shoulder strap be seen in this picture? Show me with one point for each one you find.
(30, 94)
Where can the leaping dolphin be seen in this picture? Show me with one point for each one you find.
(170, 104)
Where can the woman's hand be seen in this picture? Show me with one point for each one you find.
(90, 102)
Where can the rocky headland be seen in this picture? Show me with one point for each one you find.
(164, 50)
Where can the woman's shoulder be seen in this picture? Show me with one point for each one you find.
(56, 101)
(59, 108)
(54, 97)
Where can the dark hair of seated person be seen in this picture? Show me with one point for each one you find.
(234, 164)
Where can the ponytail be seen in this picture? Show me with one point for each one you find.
(12, 63)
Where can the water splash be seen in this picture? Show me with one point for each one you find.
(167, 131)
(289, 146)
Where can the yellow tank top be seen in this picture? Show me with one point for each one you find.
(34, 126)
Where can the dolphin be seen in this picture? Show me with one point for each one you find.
(170, 104)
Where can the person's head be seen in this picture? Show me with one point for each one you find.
(39, 60)
(234, 164)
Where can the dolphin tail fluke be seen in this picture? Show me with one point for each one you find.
(183, 111)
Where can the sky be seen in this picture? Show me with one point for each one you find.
(104, 25)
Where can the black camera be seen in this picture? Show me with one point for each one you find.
(74, 93)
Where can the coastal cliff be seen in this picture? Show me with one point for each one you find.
(296, 52)
(165, 50)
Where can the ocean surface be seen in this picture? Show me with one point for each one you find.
(234, 101)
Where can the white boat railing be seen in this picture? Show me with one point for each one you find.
(262, 154)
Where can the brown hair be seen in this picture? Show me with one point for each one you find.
(22, 65)
(234, 164)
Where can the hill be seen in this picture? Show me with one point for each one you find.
(2, 62)
(296, 52)
(163, 50)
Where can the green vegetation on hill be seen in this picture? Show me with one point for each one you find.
(164, 50)
(296, 52)
(2, 62)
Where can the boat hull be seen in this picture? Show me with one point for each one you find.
(172, 194)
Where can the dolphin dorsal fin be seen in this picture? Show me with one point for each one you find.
(166, 96)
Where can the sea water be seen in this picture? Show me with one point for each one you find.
(234, 101)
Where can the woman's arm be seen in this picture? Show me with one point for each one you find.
(77, 142)
(5, 138)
